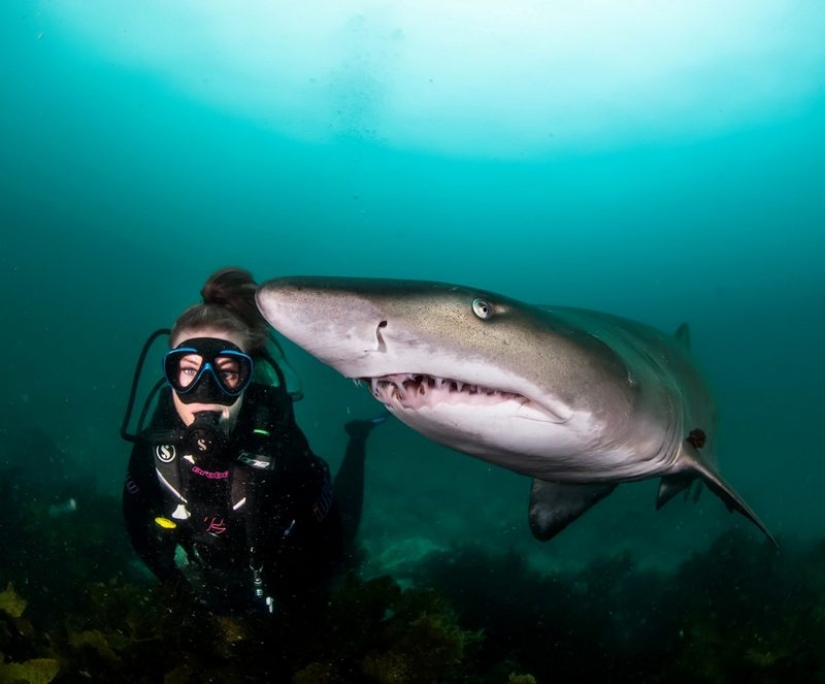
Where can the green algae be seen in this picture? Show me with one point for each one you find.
(10, 603)
(75, 609)
(35, 671)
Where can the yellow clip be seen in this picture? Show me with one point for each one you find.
(165, 523)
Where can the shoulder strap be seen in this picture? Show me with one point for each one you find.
(163, 436)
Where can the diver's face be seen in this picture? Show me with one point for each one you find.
(188, 371)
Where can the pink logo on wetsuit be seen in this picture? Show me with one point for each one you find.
(211, 474)
(214, 524)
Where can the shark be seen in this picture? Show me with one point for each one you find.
(577, 400)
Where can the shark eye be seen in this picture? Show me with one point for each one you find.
(482, 308)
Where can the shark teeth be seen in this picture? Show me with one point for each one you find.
(416, 389)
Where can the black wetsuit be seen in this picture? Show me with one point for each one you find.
(265, 504)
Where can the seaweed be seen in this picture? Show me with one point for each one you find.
(739, 612)
(35, 671)
(74, 609)
(422, 642)
(11, 603)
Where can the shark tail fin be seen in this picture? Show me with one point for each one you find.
(718, 486)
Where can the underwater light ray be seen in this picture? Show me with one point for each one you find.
(474, 78)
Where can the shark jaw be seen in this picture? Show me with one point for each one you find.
(416, 390)
(413, 392)
(496, 425)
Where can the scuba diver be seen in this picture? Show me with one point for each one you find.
(224, 473)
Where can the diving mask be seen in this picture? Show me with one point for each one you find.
(207, 370)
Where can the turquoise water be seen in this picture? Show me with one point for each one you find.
(142, 150)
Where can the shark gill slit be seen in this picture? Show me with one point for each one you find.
(382, 346)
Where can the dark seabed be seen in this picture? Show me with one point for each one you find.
(662, 165)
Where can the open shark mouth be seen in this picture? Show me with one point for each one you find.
(416, 390)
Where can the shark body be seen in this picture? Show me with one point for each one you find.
(577, 400)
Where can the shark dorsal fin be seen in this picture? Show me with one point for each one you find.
(683, 335)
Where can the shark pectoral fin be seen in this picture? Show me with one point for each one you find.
(553, 506)
(723, 490)
(671, 486)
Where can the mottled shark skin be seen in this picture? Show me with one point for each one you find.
(578, 400)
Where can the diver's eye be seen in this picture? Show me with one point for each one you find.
(229, 371)
(482, 308)
(231, 379)
(188, 369)
(186, 376)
